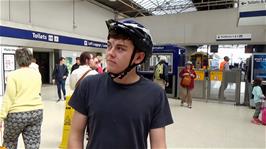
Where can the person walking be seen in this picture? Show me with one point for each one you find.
(258, 100)
(161, 72)
(113, 105)
(22, 106)
(187, 76)
(224, 66)
(60, 74)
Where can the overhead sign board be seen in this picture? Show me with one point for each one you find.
(227, 37)
(244, 3)
(47, 37)
(252, 12)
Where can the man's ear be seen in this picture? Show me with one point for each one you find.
(139, 56)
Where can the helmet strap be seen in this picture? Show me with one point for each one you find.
(123, 73)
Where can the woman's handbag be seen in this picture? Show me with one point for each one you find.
(186, 81)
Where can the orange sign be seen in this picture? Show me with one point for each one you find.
(200, 75)
(216, 75)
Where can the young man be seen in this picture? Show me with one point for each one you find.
(120, 108)
(60, 74)
(224, 66)
(76, 65)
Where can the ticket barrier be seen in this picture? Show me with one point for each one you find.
(222, 86)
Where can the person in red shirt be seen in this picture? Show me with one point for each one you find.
(186, 88)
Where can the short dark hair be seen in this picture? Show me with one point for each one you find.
(23, 57)
(61, 58)
(226, 58)
(77, 58)
(84, 56)
(257, 82)
(119, 35)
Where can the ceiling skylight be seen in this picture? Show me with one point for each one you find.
(161, 7)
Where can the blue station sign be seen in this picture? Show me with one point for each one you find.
(47, 37)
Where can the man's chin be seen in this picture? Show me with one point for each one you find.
(112, 71)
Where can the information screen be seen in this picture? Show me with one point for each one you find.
(259, 66)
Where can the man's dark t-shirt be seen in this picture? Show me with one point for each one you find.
(120, 116)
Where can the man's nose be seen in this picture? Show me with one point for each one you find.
(111, 51)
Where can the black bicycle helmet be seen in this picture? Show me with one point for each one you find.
(140, 36)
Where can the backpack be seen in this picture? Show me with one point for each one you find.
(158, 71)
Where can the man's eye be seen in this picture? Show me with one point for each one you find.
(109, 46)
(120, 49)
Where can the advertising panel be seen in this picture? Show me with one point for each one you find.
(259, 66)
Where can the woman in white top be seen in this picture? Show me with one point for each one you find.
(85, 68)
(33, 65)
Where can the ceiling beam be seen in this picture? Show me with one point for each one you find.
(132, 7)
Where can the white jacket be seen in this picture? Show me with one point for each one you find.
(34, 66)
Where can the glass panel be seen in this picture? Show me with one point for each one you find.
(155, 58)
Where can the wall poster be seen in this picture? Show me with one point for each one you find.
(259, 66)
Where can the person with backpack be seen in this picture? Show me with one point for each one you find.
(161, 72)
(258, 100)
(187, 76)
(121, 108)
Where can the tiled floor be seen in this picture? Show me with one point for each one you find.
(206, 125)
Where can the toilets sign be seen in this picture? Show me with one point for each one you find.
(45, 37)
(11, 32)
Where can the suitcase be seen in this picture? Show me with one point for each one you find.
(263, 116)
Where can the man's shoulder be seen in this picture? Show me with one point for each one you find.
(96, 77)
(147, 83)
(93, 72)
